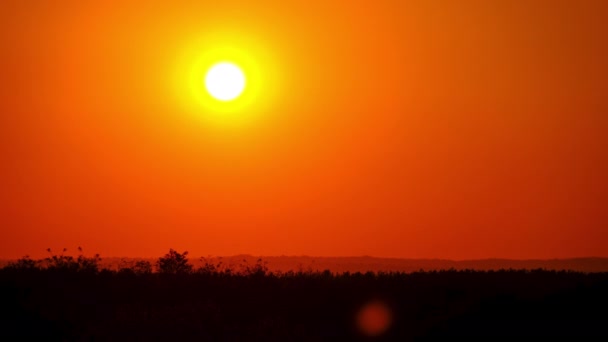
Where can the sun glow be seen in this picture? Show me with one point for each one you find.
(225, 81)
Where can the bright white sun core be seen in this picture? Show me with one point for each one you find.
(225, 81)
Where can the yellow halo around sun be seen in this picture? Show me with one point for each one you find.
(225, 81)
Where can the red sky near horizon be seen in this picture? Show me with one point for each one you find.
(417, 129)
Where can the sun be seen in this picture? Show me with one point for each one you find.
(225, 81)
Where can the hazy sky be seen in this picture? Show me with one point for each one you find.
(425, 129)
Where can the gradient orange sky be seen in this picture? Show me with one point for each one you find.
(422, 129)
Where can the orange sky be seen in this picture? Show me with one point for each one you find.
(424, 129)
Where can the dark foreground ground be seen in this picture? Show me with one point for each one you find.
(104, 305)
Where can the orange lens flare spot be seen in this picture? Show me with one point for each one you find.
(374, 318)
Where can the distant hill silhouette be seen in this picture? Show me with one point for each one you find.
(366, 263)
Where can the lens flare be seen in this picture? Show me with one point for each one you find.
(374, 318)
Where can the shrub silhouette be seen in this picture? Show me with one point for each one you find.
(135, 267)
(259, 269)
(142, 267)
(209, 268)
(174, 263)
(69, 263)
(25, 263)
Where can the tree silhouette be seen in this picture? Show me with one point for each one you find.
(174, 263)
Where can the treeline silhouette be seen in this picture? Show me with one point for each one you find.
(70, 298)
